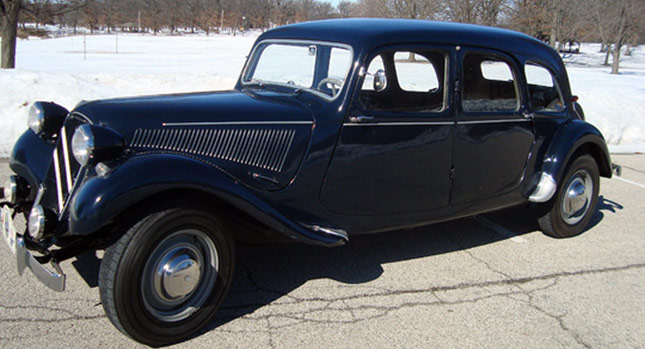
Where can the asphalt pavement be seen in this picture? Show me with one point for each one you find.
(488, 281)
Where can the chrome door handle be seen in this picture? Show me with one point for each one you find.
(360, 118)
(528, 115)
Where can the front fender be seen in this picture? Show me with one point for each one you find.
(573, 138)
(30, 158)
(102, 198)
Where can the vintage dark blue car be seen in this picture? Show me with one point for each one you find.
(335, 128)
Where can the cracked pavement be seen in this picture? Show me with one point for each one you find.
(492, 281)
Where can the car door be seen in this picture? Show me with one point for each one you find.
(494, 132)
(394, 152)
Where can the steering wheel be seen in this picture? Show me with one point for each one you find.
(334, 83)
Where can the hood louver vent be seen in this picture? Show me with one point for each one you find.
(262, 148)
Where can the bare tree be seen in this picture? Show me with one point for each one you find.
(9, 14)
(346, 9)
(628, 15)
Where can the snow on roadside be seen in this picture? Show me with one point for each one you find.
(58, 70)
(613, 103)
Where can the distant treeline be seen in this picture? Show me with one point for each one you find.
(615, 23)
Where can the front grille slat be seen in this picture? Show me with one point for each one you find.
(64, 171)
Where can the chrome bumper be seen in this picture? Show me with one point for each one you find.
(54, 280)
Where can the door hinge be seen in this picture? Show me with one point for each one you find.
(452, 174)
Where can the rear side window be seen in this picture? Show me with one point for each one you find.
(544, 91)
(489, 84)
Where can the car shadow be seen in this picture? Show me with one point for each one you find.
(267, 273)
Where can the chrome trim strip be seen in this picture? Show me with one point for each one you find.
(59, 185)
(435, 123)
(474, 122)
(428, 123)
(68, 168)
(234, 123)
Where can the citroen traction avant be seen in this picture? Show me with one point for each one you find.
(335, 128)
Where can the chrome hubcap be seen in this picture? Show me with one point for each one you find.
(179, 275)
(577, 197)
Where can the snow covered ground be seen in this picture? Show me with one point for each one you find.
(132, 64)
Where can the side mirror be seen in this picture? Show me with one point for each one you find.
(380, 81)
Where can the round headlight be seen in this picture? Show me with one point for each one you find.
(37, 222)
(36, 119)
(83, 144)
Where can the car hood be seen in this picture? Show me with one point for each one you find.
(231, 106)
(258, 137)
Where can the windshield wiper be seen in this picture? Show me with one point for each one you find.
(258, 82)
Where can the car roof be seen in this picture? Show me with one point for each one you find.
(367, 33)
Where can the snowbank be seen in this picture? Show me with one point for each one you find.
(132, 64)
(113, 66)
(613, 103)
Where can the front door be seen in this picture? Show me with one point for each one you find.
(394, 154)
(494, 133)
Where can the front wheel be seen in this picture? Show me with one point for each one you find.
(573, 205)
(166, 276)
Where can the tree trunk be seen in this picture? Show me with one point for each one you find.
(9, 31)
(554, 30)
(616, 59)
(607, 54)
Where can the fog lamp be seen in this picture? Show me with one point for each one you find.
(16, 189)
(37, 221)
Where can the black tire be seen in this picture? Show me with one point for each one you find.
(559, 217)
(160, 306)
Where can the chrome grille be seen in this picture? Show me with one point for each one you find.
(65, 168)
(262, 148)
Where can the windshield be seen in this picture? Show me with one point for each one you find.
(321, 68)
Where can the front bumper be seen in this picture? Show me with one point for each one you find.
(25, 259)
(54, 280)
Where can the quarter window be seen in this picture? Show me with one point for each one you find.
(489, 84)
(543, 89)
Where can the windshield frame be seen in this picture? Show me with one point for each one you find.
(247, 81)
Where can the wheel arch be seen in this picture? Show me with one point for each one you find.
(572, 140)
(243, 227)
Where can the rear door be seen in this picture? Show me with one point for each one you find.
(494, 133)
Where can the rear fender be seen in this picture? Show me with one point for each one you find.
(101, 199)
(570, 140)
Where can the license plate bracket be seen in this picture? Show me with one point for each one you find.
(7, 228)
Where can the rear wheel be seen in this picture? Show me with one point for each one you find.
(573, 205)
(166, 276)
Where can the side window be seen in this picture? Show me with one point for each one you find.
(543, 89)
(375, 65)
(414, 82)
(489, 84)
(414, 72)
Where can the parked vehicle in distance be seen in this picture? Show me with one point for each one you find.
(335, 128)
